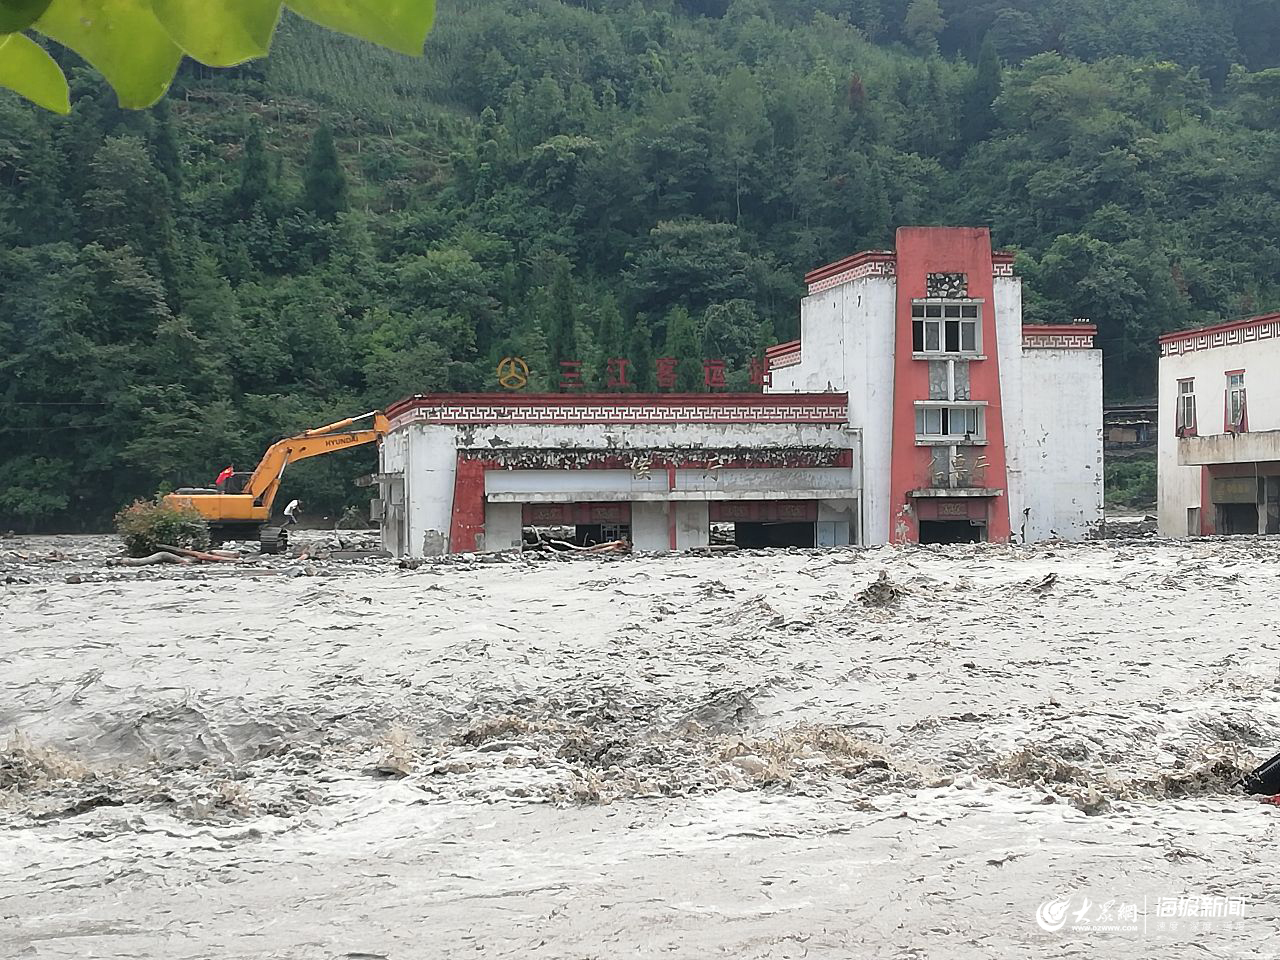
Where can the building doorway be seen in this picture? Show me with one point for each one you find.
(1237, 518)
(951, 531)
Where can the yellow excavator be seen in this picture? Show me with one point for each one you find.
(241, 510)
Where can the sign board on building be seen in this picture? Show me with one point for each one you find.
(1235, 490)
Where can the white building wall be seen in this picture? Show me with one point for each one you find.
(431, 468)
(1009, 353)
(503, 526)
(393, 456)
(649, 526)
(693, 529)
(1179, 487)
(848, 336)
(1061, 443)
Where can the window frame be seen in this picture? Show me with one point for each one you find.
(1236, 406)
(944, 323)
(944, 414)
(1185, 412)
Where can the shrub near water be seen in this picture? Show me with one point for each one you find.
(145, 524)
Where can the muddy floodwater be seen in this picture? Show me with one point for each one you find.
(963, 752)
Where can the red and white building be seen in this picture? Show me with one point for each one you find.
(915, 406)
(1219, 456)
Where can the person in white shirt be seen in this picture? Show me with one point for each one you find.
(289, 512)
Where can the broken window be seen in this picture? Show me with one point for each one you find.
(1235, 400)
(945, 327)
(1186, 409)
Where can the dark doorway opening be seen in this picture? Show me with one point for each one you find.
(773, 534)
(1237, 518)
(589, 534)
(950, 531)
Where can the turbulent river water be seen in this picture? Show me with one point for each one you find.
(973, 751)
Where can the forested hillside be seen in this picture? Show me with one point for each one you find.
(324, 231)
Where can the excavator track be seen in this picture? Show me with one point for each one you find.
(273, 540)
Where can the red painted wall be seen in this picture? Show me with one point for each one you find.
(468, 503)
(921, 251)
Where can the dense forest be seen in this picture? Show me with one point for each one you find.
(321, 232)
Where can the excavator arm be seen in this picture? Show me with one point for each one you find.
(265, 481)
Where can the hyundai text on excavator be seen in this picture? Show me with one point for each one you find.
(242, 509)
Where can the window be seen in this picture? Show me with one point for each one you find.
(1235, 400)
(1186, 409)
(949, 422)
(944, 327)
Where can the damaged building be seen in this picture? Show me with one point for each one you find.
(1218, 456)
(916, 406)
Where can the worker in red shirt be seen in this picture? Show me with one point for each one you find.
(224, 476)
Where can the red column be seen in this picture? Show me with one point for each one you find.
(921, 251)
(468, 503)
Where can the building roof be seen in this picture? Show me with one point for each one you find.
(1262, 327)
(888, 258)
(478, 409)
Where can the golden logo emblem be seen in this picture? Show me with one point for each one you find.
(513, 372)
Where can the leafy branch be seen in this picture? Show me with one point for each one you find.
(137, 44)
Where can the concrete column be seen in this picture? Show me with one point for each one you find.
(503, 526)
(649, 526)
(693, 527)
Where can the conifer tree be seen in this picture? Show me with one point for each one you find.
(683, 345)
(611, 339)
(980, 119)
(324, 186)
(640, 353)
(255, 173)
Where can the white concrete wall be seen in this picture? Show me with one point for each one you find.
(649, 530)
(1009, 353)
(393, 456)
(503, 526)
(1062, 443)
(431, 468)
(872, 312)
(567, 486)
(693, 529)
(847, 344)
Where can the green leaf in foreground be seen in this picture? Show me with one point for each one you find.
(27, 69)
(122, 39)
(402, 25)
(17, 15)
(220, 33)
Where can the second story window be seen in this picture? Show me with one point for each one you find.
(1186, 411)
(949, 422)
(942, 326)
(1235, 400)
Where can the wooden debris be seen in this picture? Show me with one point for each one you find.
(160, 557)
(198, 555)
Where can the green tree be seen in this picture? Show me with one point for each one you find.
(922, 24)
(255, 171)
(980, 118)
(611, 340)
(558, 316)
(684, 347)
(324, 186)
